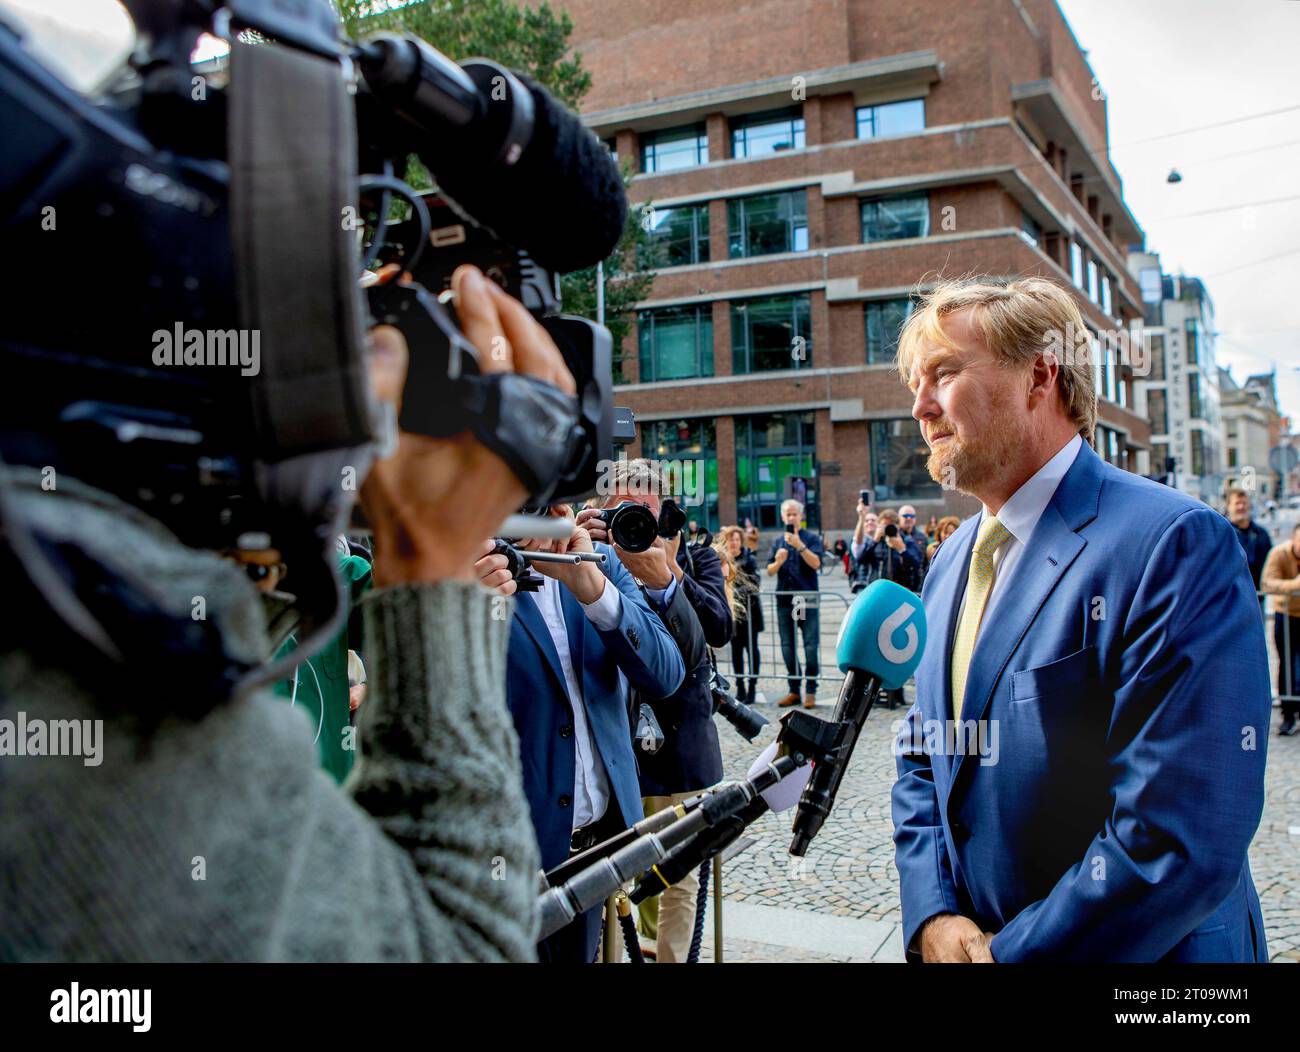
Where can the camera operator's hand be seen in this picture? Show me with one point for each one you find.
(593, 521)
(431, 503)
(650, 567)
(585, 580)
(782, 554)
(896, 542)
(492, 571)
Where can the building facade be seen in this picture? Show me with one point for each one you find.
(1251, 427)
(1177, 389)
(807, 165)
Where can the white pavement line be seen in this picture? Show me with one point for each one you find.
(856, 939)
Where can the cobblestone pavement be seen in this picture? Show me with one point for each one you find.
(849, 870)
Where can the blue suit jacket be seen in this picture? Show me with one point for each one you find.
(639, 646)
(1125, 670)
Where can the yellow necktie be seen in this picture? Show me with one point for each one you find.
(979, 582)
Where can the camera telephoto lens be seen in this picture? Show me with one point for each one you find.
(891, 530)
(632, 526)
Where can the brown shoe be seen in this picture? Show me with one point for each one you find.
(788, 700)
(810, 701)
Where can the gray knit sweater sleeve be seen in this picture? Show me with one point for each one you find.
(439, 770)
(221, 839)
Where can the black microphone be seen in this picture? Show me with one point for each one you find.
(880, 644)
(715, 839)
(505, 150)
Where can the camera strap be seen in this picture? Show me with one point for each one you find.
(293, 181)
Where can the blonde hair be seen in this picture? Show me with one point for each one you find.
(1016, 320)
(728, 579)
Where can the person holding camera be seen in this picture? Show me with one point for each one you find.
(685, 586)
(794, 561)
(208, 830)
(578, 646)
(889, 554)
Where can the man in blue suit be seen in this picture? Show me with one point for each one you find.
(1083, 769)
(575, 646)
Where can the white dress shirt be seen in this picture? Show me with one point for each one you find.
(1020, 515)
(590, 783)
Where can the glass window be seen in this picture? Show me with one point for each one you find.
(1198, 452)
(666, 151)
(676, 342)
(679, 236)
(692, 447)
(1106, 304)
(771, 448)
(768, 223)
(1158, 412)
(891, 218)
(757, 134)
(898, 459)
(890, 118)
(1092, 280)
(1030, 227)
(1076, 264)
(884, 319)
(1156, 341)
(771, 332)
(1193, 332)
(1194, 408)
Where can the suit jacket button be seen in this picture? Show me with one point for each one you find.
(633, 638)
(566, 731)
(565, 800)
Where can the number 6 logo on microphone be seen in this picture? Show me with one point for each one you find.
(883, 634)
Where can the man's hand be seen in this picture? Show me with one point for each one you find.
(782, 554)
(492, 571)
(947, 938)
(593, 521)
(896, 542)
(431, 503)
(585, 580)
(650, 567)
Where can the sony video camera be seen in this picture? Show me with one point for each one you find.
(187, 327)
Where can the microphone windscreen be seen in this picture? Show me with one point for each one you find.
(883, 634)
(785, 794)
(563, 201)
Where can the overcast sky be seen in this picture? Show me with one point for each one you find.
(1173, 65)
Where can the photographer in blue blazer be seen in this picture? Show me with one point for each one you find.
(575, 646)
(1083, 769)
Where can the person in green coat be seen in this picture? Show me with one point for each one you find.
(320, 684)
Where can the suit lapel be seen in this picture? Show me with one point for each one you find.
(1055, 544)
(530, 616)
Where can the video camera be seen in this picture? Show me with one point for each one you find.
(191, 329)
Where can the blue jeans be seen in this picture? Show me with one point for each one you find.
(809, 623)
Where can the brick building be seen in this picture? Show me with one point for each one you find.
(810, 163)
